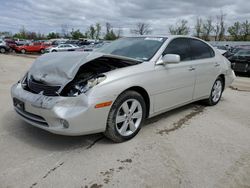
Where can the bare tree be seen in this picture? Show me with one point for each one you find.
(208, 28)
(64, 30)
(141, 29)
(217, 30)
(108, 28)
(181, 28)
(198, 28)
(220, 27)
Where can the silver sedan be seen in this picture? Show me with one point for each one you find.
(62, 48)
(114, 89)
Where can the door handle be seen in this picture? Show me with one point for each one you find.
(216, 64)
(191, 68)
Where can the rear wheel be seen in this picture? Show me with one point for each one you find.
(23, 51)
(42, 51)
(53, 51)
(126, 116)
(2, 50)
(216, 92)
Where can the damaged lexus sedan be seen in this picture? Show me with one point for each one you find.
(114, 89)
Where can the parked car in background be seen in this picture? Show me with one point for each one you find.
(75, 42)
(92, 47)
(3, 46)
(235, 49)
(62, 48)
(22, 41)
(240, 61)
(114, 89)
(32, 47)
(11, 43)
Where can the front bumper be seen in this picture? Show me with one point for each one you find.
(61, 115)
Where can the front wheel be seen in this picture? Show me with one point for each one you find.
(126, 116)
(216, 92)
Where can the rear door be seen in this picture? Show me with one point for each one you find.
(207, 67)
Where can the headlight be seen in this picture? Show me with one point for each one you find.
(82, 87)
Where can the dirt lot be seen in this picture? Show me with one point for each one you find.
(193, 146)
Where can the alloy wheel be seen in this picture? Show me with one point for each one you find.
(217, 91)
(128, 117)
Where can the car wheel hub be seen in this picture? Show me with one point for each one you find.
(217, 90)
(128, 117)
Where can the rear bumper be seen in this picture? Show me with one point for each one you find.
(230, 77)
(60, 115)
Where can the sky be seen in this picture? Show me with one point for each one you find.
(49, 15)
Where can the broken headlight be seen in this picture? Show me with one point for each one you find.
(80, 87)
(24, 81)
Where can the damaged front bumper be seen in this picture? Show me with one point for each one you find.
(60, 115)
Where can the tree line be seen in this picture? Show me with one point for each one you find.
(213, 29)
(205, 28)
(93, 32)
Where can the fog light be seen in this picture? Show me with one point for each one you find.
(64, 123)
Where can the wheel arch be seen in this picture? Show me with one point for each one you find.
(222, 76)
(144, 94)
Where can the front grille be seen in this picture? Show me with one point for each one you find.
(240, 67)
(38, 87)
(32, 117)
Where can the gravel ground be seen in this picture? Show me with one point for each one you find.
(192, 146)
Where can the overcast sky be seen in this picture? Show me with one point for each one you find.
(48, 15)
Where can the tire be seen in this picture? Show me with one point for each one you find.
(2, 50)
(53, 51)
(216, 92)
(123, 126)
(42, 51)
(23, 51)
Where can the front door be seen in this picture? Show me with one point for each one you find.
(176, 82)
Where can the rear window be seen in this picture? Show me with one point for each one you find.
(201, 50)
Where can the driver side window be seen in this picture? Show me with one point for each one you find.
(179, 46)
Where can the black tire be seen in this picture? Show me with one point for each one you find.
(53, 51)
(23, 51)
(2, 50)
(210, 101)
(111, 129)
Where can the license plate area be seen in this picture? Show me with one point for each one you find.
(19, 104)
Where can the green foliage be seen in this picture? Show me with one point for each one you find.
(77, 34)
(110, 34)
(53, 35)
(94, 31)
(240, 31)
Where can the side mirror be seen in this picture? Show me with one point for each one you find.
(169, 59)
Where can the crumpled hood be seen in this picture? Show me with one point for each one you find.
(60, 68)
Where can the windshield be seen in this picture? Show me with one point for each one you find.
(141, 48)
(243, 53)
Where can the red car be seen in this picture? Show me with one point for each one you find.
(33, 47)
